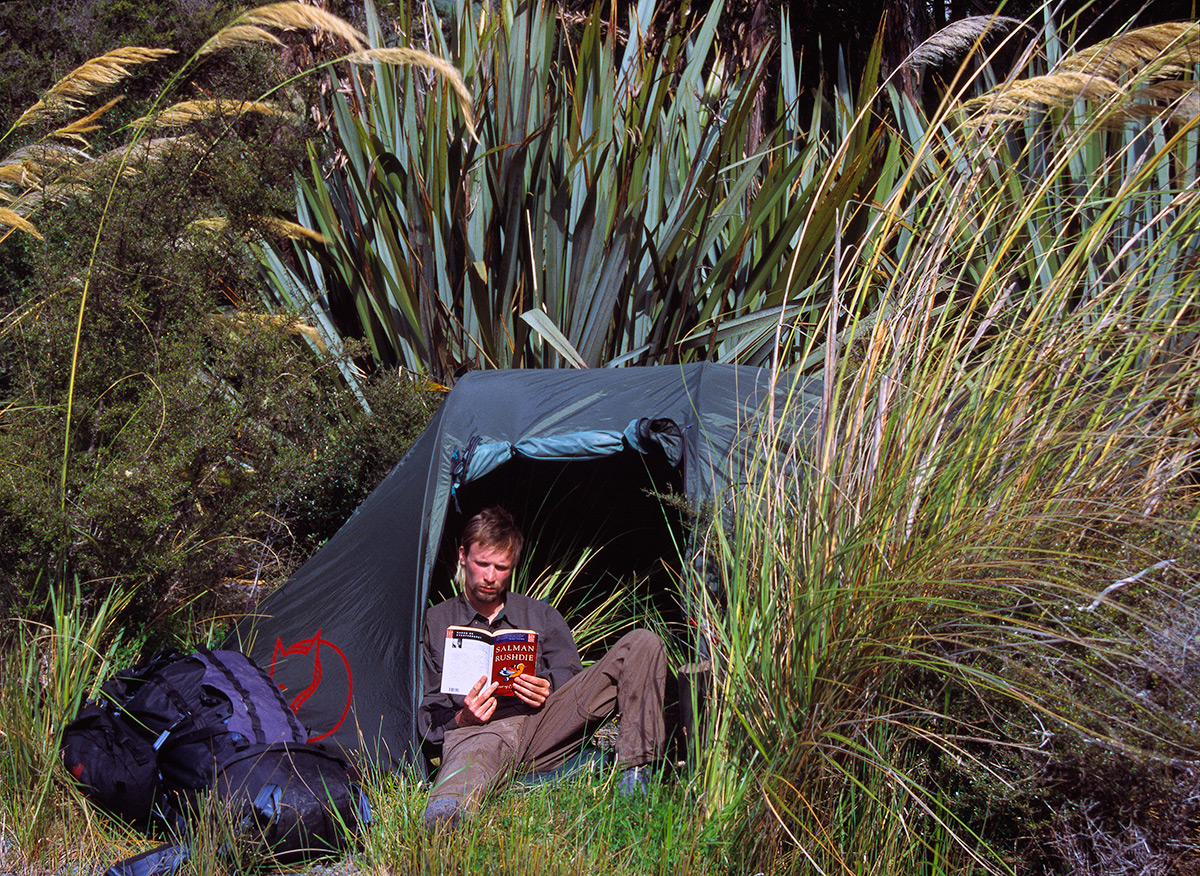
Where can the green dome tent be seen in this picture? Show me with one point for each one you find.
(581, 454)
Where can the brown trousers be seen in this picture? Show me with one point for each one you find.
(631, 679)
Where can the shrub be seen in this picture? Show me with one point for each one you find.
(160, 432)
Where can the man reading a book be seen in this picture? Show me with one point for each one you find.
(486, 738)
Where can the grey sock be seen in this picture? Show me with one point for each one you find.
(634, 781)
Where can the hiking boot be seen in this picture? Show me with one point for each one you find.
(442, 814)
(634, 782)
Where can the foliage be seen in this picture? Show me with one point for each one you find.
(958, 607)
(966, 596)
(627, 172)
(43, 42)
(158, 433)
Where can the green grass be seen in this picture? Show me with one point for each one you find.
(580, 825)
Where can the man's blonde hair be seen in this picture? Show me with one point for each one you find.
(493, 527)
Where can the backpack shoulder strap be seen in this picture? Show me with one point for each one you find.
(257, 700)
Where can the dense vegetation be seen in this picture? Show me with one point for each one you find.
(957, 614)
(159, 433)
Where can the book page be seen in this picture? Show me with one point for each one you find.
(466, 658)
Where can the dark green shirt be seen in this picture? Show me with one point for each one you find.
(558, 658)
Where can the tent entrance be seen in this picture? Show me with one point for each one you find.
(615, 511)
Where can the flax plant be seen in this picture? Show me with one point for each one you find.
(607, 207)
(931, 597)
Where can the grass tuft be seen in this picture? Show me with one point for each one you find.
(89, 79)
(288, 16)
(189, 112)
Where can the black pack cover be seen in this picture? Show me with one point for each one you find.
(115, 764)
(294, 802)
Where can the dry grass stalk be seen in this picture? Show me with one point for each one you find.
(90, 79)
(273, 322)
(56, 193)
(14, 220)
(191, 111)
(237, 35)
(1184, 98)
(292, 230)
(283, 16)
(1134, 68)
(52, 156)
(1171, 48)
(76, 129)
(956, 40)
(416, 57)
(129, 159)
(1173, 101)
(1013, 102)
(282, 227)
(20, 173)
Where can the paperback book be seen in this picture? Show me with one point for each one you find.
(502, 656)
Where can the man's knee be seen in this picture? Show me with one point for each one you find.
(642, 641)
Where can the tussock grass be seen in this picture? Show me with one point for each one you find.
(944, 600)
(251, 27)
(48, 670)
(89, 79)
(576, 826)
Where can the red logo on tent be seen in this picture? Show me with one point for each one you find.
(316, 647)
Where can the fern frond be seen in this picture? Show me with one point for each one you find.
(89, 79)
(956, 40)
(417, 57)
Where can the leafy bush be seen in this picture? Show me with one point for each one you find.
(159, 431)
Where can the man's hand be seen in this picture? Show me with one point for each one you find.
(479, 706)
(531, 690)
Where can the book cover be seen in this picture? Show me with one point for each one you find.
(470, 654)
